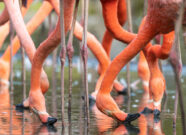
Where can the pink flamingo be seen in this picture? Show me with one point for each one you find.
(152, 26)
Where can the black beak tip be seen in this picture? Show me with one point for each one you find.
(146, 111)
(20, 107)
(156, 112)
(123, 92)
(50, 121)
(131, 117)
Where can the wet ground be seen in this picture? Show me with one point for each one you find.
(15, 122)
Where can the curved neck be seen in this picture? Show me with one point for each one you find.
(31, 26)
(49, 45)
(111, 21)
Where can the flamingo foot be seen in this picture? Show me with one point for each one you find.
(123, 92)
(131, 117)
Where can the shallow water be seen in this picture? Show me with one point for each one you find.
(15, 122)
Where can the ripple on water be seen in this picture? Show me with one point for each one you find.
(99, 123)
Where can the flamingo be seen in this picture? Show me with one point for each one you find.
(152, 26)
(44, 118)
(93, 44)
(43, 57)
(36, 98)
(31, 26)
(47, 46)
(13, 7)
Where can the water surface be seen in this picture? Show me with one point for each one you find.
(15, 122)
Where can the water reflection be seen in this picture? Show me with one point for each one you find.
(54, 85)
(100, 124)
(148, 124)
(15, 122)
(108, 126)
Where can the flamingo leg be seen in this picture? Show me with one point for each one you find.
(95, 46)
(84, 55)
(70, 53)
(62, 58)
(176, 63)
